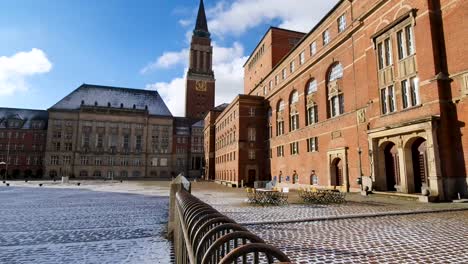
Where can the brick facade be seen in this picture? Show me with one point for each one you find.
(380, 95)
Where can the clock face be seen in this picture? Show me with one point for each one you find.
(200, 86)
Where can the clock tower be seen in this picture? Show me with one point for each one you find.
(200, 87)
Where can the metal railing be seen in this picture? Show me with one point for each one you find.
(202, 235)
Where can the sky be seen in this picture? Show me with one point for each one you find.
(50, 47)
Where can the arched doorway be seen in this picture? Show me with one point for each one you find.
(420, 171)
(392, 167)
(337, 172)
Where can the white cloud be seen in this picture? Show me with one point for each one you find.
(234, 17)
(242, 15)
(15, 69)
(228, 67)
(167, 60)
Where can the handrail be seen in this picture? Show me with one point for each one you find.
(202, 235)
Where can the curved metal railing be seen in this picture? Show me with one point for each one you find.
(205, 236)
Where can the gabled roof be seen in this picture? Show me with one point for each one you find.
(201, 26)
(200, 123)
(221, 107)
(25, 115)
(114, 97)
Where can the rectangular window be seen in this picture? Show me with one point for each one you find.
(97, 161)
(312, 144)
(337, 105)
(302, 58)
(99, 140)
(294, 122)
(56, 146)
(294, 148)
(341, 23)
(326, 37)
(252, 111)
(410, 92)
(252, 134)
(280, 151)
(66, 160)
(84, 160)
(85, 139)
(388, 52)
(405, 41)
(279, 128)
(138, 142)
(126, 141)
(313, 48)
(312, 115)
(292, 66)
(387, 97)
(54, 160)
(251, 154)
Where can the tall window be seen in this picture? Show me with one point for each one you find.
(284, 74)
(387, 97)
(341, 23)
(126, 141)
(54, 160)
(313, 48)
(405, 41)
(279, 118)
(326, 37)
(302, 58)
(335, 94)
(294, 118)
(312, 144)
(252, 134)
(294, 148)
(294, 121)
(251, 154)
(99, 140)
(384, 53)
(280, 151)
(410, 92)
(312, 87)
(270, 127)
(292, 66)
(85, 139)
(312, 114)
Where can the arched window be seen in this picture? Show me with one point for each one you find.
(312, 86)
(335, 90)
(294, 114)
(294, 97)
(280, 106)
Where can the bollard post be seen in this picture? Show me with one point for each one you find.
(176, 185)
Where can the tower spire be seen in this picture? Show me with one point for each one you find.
(201, 27)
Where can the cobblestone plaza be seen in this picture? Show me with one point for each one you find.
(102, 222)
(41, 225)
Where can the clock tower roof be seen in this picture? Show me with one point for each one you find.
(201, 27)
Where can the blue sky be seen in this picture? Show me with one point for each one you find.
(50, 47)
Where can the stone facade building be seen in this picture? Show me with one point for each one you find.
(22, 142)
(111, 132)
(376, 93)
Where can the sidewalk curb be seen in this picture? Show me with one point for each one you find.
(332, 218)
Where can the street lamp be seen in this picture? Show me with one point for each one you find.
(4, 175)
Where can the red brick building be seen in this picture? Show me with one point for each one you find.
(22, 142)
(377, 89)
(200, 89)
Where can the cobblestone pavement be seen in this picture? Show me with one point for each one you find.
(421, 238)
(232, 202)
(43, 225)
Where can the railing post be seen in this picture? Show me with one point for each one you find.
(177, 184)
